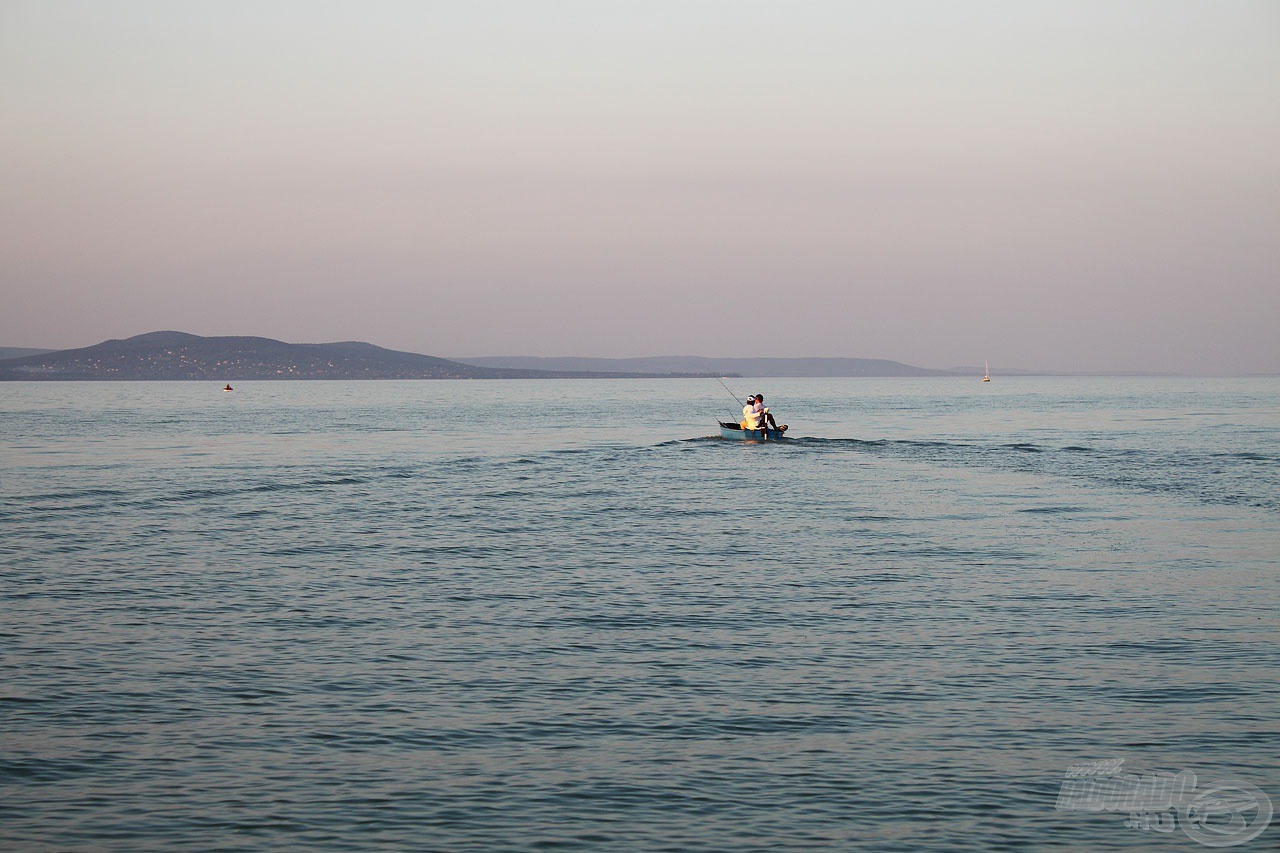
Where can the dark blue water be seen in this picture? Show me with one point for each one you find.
(557, 615)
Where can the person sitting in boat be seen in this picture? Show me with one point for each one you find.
(763, 416)
(749, 418)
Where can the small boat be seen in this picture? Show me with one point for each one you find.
(986, 372)
(228, 387)
(734, 432)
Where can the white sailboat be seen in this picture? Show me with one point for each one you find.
(986, 371)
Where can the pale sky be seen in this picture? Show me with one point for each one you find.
(1057, 185)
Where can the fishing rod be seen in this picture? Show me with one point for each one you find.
(731, 394)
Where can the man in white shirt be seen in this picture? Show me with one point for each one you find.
(750, 419)
(763, 415)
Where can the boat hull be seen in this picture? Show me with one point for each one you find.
(733, 433)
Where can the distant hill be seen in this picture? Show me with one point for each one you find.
(178, 355)
(762, 367)
(19, 352)
(1002, 371)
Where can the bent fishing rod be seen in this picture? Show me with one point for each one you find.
(731, 394)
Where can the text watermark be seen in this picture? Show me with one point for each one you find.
(1220, 814)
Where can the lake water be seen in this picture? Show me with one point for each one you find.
(560, 615)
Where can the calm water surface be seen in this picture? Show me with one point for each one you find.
(558, 615)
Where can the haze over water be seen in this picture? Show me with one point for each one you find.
(473, 616)
(556, 614)
(1065, 186)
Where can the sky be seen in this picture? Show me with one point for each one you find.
(1047, 185)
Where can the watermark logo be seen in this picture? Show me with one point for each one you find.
(1221, 814)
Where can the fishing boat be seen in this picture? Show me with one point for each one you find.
(734, 432)
(986, 371)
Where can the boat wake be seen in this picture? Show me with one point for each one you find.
(1233, 479)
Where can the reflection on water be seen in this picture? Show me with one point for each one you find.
(492, 615)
